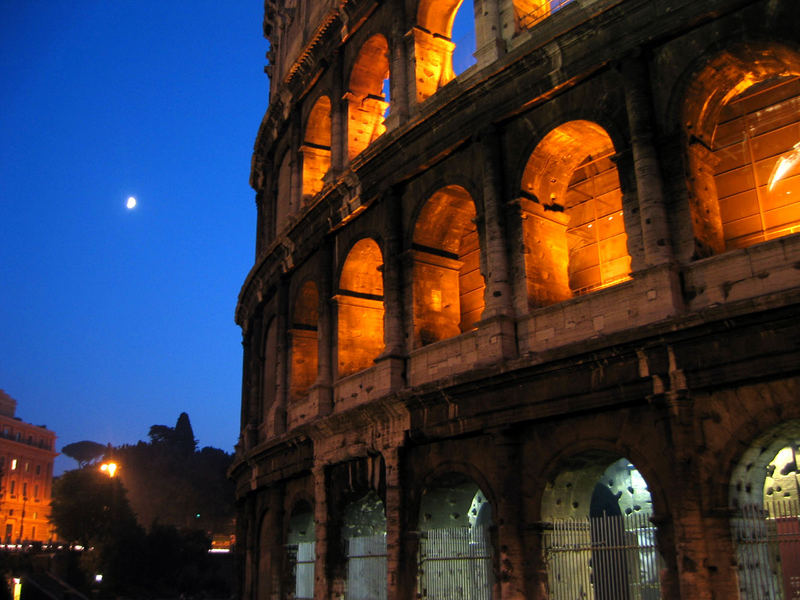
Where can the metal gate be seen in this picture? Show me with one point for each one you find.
(301, 561)
(455, 564)
(603, 558)
(768, 551)
(366, 568)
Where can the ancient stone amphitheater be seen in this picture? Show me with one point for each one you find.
(524, 318)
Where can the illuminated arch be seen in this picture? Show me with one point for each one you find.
(600, 541)
(455, 520)
(574, 234)
(741, 116)
(447, 283)
(528, 13)
(303, 341)
(284, 206)
(360, 308)
(433, 43)
(366, 103)
(316, 148)
(269, 380)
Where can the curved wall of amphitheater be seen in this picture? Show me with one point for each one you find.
(524, 325)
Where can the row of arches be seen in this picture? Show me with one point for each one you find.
(597, 526)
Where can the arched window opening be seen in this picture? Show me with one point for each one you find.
(599, 540)
(304, 341)
(300, 541)
(364, 534)
(316, 148)
(455, 552)
(573, 229)
(765, 494)
(531, 12)
(444, 43)
(447, 283)
(284, 206)
(756, 148)
(367, 104)
(360, 308)
(741, 116)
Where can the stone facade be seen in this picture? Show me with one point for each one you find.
(561, 283)
(27, 453)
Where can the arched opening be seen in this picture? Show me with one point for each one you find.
(367, 104)
(742, 116)
(599, 541)
(455, 551)
(316, 148)
(360, 308)
(284, 206)
(574, 234)
(528, 13)
(444, 43)
(364, 534)
(300, 551)
(765, 495)
(447, 283)
(304, 342)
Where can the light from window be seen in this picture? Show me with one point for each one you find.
(14, 464)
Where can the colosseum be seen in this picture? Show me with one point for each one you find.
(524, 317)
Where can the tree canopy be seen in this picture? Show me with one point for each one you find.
(85, 452)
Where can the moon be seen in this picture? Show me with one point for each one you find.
(131, 203)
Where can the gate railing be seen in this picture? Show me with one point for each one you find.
(603, 558)
(301, 560)
(541, 12)
(366, 567)
(768, 550)
(455, 564)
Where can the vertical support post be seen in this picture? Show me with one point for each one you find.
(398, 72)
(339, 107)
(489, 43)
(395, 584)
(321, 393)
(511, 555)
(321, 583)
(282, 351)
(638, 102)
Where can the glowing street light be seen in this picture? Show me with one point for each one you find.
(109, 468)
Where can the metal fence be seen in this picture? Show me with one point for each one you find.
(366, 568)
(455, 564)
(301, 560)
(603, 558)
(768, 551)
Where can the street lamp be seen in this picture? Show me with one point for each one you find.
(109, 468)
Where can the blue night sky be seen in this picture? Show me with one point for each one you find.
(114, 320)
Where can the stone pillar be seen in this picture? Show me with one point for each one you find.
(338, 119)
(398, 73)
(296, 164)
(321, 392)
(511, 553)
(497, 339)
(396, 586)
(392, 360)
(321, 582)
(282, 350)
(655, 228)
(489, 43)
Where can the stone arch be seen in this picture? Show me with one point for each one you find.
(316, 148)
(360, 308)
(455, 519)
(367, 104)
(741, 128)
(448, 286)
(304, 341)
(764, 492)
(433, 43)
(597, 499)
(528, 13)
(300, 545)
(264, 570)
(364, 535)
(573, 229)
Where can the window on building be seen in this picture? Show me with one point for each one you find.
(36, 492)
(38, 469)
(27, 467)
(12, 487)
(24, 489)
(13, 464)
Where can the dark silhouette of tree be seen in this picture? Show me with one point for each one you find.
(85, 452)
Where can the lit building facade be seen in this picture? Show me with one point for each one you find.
(524, 326)
(26, 477)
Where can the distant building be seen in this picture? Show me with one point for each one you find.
(26, 476)
(526, 329)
